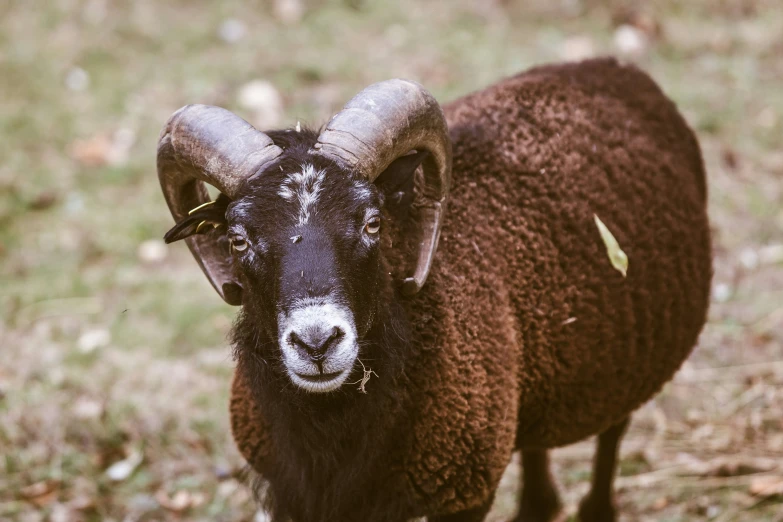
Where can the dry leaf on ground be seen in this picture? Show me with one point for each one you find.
(180, 501)
(766, 487)
(41, 493)
(123, 469)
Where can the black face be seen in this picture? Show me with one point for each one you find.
(305, 237)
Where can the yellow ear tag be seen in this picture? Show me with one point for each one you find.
(205, 222)
(203, 205)
(200, 226)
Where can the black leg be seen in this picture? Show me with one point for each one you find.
(471, 515)
(539, 501)
(598, 505)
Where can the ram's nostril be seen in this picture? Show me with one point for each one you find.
(335, 337)
(296, 341)
(315, 341)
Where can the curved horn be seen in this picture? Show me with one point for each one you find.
(200, 143)
(380, 124)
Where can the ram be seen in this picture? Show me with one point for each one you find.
(362, 394)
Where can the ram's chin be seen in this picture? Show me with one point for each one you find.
(319, 383)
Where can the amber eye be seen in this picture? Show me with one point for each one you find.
(373, 226)
(238, 243)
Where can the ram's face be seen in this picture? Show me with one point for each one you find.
(307, 243)
(301, 214)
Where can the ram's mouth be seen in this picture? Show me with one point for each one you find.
(319, 382)
(319, 378)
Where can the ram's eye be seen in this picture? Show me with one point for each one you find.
(238, 243)
(373, 226)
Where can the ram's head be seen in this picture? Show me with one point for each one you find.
(295, 234)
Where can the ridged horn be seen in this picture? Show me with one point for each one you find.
(383, 122)
(204, 144)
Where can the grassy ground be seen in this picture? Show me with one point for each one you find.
(114, 369)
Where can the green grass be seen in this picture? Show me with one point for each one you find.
(70, 231)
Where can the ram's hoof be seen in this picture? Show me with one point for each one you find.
(543, 511)
(591, 511)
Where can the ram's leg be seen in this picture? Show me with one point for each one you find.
(539, 501)
(598, 505)
(470, 515)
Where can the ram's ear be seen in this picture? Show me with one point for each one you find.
(396, 182)
(200, 220)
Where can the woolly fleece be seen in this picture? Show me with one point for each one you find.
(527, 336)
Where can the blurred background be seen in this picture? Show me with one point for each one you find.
(114, 365)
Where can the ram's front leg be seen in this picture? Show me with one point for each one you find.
(539, 500)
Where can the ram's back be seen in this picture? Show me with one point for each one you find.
(536, 157)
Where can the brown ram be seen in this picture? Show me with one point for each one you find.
(362, 394)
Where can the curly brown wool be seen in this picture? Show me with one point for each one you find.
(525, 336)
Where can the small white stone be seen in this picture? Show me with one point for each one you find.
(152, 251)
(288, 11)
(232, 30)
(264, 100)
(77, 79)
(713, 511)
(749, 258)
(85, 408)
(93, 339)
(721, 292)
(257, 94)
(125, 468)
(577, 48)
(630, 41)
(227, 488)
